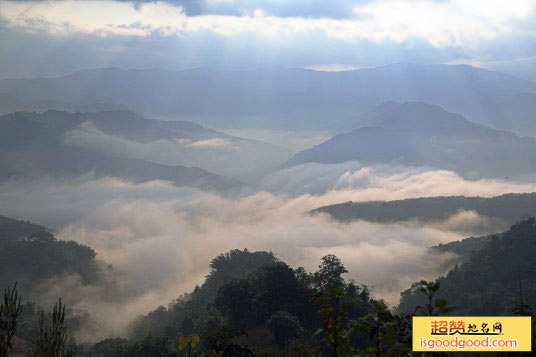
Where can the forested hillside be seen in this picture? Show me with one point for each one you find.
(252, 303)
(30, 255)
(254, 299)
(494, 279)
(508, 208)
(238, 178)
(13, 229)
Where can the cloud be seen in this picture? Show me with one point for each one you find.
(382, 182)
(161, 238)
(334, 67)
(460, 23)
(470, 223)
(295, 141)
(165, 247)
(279, 8)
(58, 44)
(49, 38)
(214, 144)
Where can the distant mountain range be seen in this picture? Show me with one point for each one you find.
(509, 208)
(126, 134)
(32, 145)
(286, 98)
(10, 103)
(419, 134)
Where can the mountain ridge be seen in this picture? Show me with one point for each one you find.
(419, 134)
(509, 207)
(32, 145)
(283, 97)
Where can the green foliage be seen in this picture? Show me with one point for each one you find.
(13, 229)
(235, 302)
(220, 342)
(340, 304)
(329, 274)
(508, 208)
(390, 334)
(521, 308)
(336, 330)
(148, 347)
(253, 304)
(188, 343)
(487, 283)
(278, 288)
(285, 327)
(199, 305)
(236, 264)
(262, 302)
(41, 256)
(10, 311)
(434, 307)
(111, 347)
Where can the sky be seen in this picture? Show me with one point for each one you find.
(49, 38)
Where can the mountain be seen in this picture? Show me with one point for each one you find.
(10, 103)
(134, 127)
(30, 256)
(33, 145)
(257, 299)
(516, 114)
(285, 98)
(419, 134)
(126, 134)
(464, 248)
(13, 229)
(508, 208)
(491, 280)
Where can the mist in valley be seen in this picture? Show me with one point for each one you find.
(159, 238)
(153, 156)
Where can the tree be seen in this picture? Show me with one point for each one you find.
(53, 339)
(276, 288)
(434, 307)
(10, 310)
(110, 347)
(285, 327)
(334, 312)
(221, 342)
(390, 334)
(189, 342)
(522, 309)
(234, 301)
(339, 302)
(148, 347)
(235, 264)
(329, 274)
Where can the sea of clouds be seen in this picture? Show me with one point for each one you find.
(160, 238)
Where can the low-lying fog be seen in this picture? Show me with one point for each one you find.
(161, 238)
